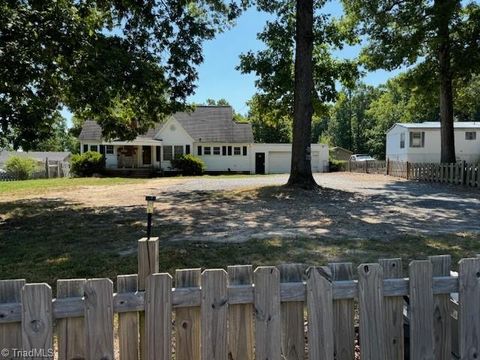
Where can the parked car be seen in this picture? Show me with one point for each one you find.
(361, 157)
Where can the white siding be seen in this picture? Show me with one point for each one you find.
(225, 163)
(172, 133)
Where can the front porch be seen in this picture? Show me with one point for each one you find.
(133, 156)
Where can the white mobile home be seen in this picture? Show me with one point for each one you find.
(420, 142)
(208, 132)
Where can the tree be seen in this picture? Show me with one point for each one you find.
(297, 56)
(61, 139)
(269, 125)
(126, 64)
(438, 38)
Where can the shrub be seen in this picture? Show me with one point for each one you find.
(20, 167)
(87, 164)
(337, 165)
(189, 165)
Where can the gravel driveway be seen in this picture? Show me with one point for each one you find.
(351, 206)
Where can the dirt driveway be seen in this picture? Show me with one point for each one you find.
(239, 208)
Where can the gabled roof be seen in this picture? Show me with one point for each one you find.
(36, 155)
(205, 123)
(436, 125)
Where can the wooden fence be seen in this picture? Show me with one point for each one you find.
(245, 314)
(460, 173)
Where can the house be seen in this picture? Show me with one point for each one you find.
(208, 132)
(340, 153)
(39, 156)
(420, 142)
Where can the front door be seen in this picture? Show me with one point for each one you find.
(259, 163)
(147, 155)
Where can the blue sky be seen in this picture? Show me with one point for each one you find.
(218, 77)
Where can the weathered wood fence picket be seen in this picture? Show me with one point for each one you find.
(248, 314)
(460, 173)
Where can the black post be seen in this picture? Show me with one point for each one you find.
(150, 201)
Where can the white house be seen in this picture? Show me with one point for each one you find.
(208, 132)
(420, 142)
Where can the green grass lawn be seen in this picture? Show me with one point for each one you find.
(43, 240)
(41, 185)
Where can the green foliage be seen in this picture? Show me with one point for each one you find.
(20, 167)
(189, 165)
(61, 139)
(337, 165)
(125, 64)
(269, 125)
(87, 164)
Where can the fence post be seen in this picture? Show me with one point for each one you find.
(349, 165)
(408, 170)
(464, 178)
(147, 265)
(388, 166)
(47, 168)
(366, 167)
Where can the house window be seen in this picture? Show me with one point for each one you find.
(109, 149)
(224, 150)
(236, 150)
(187, 149)
(208, 150)
(167, 153)
(471, 135)
(244, 151)
(199, 151)
(216, 150)
(229, 151)
(402, 141)
(85, 148)
(157, 153)
(178, 151)
(102, 149)
(94, 148)
(417, 139)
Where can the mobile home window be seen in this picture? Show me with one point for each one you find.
(244, 151)
(93, 147)
(471, 135)
(417, 139)
(236, 150)
(216, 150)
(178, 151)
(208, 150)
(109, 149)
(167, 152)
(85, 148)
(199, 150)
(402, 140)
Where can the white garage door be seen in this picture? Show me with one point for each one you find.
(279, 162)
(315, 162)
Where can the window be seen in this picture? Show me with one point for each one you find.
(102, 149)
(236, 150)
(244, 151)
(178, 151)
(187, 149)
(471, 135)
(94, 148)
(109, 149)
(224, 150)
(402, 140)
(85, 148)
(417, 139)
(208, 150)
(229, 151)
(216, 150)
(157, 153)
(199, 151)
(167, 153)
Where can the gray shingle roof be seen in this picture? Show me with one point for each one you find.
(36, 155)
(205, 123)
(436, 125)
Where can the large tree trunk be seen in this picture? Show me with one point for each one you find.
(447, 135)
(301, 169)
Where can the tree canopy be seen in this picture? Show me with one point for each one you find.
(123, 63)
